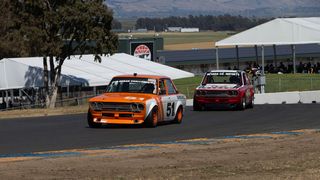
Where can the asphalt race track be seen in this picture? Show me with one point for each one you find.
(71, 131)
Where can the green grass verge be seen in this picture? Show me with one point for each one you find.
(183, 38)
(274, 83)
(292, 82)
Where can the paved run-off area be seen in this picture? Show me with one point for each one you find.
(279, 155)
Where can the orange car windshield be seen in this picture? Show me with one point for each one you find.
(133, 85)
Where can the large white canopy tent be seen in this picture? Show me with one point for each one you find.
(280, 31)
(16, 73)
(24, 73)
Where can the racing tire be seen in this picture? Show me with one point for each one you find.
(90, 121)
(242, 105)
(152, 119)
(179, 116)
(251, 104)
(196, 106)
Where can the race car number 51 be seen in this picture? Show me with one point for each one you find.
(170, 109)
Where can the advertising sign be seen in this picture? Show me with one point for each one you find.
(142, 50)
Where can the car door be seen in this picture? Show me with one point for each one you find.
(169, 100)
(247, 87)
(250, 87)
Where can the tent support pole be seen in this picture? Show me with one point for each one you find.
(7, 98)
(294, 58)
(95, 90)
(20, 94)
(262, 56)
(2, 96)
(68, 88)
(275, 55)
(217, 57)
(11, 94)
(238, 59)
(256, 49)
(262, 64)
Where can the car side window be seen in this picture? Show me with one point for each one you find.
(162, 88)
(171, 89)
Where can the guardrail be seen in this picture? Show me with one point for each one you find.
(305, 97)
(296, 97)
(77, 101)
(279, 84)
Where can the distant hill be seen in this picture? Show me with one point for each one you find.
(257, 8)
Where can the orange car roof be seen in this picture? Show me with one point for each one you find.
(142, 76)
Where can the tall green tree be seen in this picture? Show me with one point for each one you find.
(10, 38)
(57, 29)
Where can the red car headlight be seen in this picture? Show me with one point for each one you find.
(233, 93)
(201, 93)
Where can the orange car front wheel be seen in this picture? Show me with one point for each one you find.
(152, 119)
(91, 123)
(179, 115)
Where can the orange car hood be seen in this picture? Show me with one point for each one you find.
(122, 97)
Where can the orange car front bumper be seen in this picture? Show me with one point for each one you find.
(118, 117)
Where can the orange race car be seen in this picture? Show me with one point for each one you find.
(137, 99)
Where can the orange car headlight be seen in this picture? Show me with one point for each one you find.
(96, 106)
(137, 107)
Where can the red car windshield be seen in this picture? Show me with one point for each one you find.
(222, 78)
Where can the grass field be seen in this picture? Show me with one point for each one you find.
(179, 41)
(274, 83)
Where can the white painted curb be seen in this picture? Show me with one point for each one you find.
(310, 97)
(277, 98)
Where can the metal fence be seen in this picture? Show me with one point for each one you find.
(77, 101)
(279, 84)
(293, 84)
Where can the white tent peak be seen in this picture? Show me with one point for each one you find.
(279, 31)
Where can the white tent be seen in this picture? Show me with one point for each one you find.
(16, 73)
(280, 31)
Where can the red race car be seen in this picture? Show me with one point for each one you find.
(224, 89)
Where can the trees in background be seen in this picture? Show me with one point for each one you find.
(116, 24)
(55, 30)
(203, 22)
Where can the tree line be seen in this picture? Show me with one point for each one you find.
(55, 30)
(203, 22)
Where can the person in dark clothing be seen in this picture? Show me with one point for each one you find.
(4, 105)
(300, 68)
(10, 104)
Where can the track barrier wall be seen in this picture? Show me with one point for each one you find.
(305, 97)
